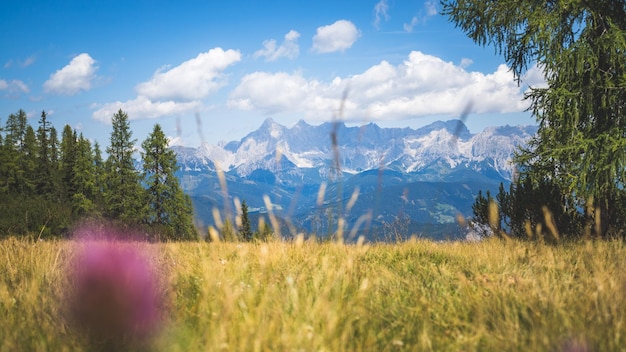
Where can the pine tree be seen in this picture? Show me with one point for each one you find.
(170, 208)
(83, 181)
(67, 160)
(28, 163)
(99, 176)
(581, 145)
(245, 231)
(45, 184)
(11, 169)
(124, 195)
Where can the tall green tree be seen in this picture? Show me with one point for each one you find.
(11, 170)
(169, 208)
(28, 163)
(124, 195)
(99, 176)
(245, 230)
(67, 160)
(580, 46)
(83, 179)
(45, 184)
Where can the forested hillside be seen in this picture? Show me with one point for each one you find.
(48, 182)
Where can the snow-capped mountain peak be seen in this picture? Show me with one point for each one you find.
(293, 153)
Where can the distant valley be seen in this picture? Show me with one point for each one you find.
(383, 181)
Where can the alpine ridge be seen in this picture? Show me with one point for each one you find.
(290, 164)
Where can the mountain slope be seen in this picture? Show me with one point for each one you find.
(430, 174)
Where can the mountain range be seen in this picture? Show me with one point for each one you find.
(382, 181)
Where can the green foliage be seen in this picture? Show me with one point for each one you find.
(264, 233)
(169, 208)
(580, 45)
(45, 167)
(47, 186)
(529, 209)
(124, 195)
(245, 230)
(228, 231)
(83, 181)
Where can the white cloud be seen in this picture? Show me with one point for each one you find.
(29, 61)
(14, 86)
(288, 48)
(465, 62)
(175, 91)
(338, 36)
(191, 80)
(380, 12)
(142, 107)
(430, 10)
(175, 141)
(74, 77)
(535, 78)
(408, 27)
(283, 92)
(422, 85)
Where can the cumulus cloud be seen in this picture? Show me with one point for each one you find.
(288, 48)
(380, 12)
(14, 86)
(74, 77)
(338, 36)
(422, 85)
(193, 79)
(174, 91)
(429, 10)
(143, 107)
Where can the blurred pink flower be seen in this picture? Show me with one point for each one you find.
(115, 293)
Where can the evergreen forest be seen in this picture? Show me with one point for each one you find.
(49, 184)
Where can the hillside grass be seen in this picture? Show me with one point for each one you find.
(303, 296)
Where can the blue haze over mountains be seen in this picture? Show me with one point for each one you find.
(412, 181)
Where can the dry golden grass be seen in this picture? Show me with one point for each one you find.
(488, 296)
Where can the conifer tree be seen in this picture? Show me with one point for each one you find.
(245, 231)
(45, 184)
(124, 195)
(28, 163)
(67, 159)
(11, 169)
(99, 176)
(579, 45)
(83, 179)
(169, 208)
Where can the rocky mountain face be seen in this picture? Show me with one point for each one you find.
(313, 175)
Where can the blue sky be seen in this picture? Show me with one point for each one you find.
(214, 70)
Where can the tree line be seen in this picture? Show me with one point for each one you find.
(48, 184)
(573, 174)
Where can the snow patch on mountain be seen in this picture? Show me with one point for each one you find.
(437, 148)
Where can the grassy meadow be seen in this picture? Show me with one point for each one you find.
(303, 296)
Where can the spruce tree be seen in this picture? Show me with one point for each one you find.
(11, 169)
(45, 184)
(99, 176)
(28, 163)
(83, 179)
(169, 208)
(67, 160)
(245, 231)
(124, 195)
